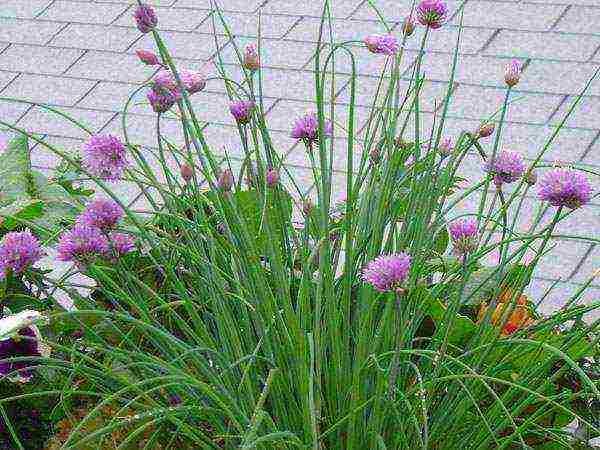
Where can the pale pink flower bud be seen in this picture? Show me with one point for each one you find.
(148, 58)
(513, 73)
(485, 130)
(226, 181)
(186, 172)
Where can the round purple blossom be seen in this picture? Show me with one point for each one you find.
(101, 213)
(25, 343)
(381, 43)
(512, 75)
(565, 187)
(464, 235)
(242, 111)
(432, 13)
(122, 243)
(161, 102)
(307, 128)
(82, 243)
(507, 166)
(145, 18)
(387, 272)
(272, 177)
(192, 80)
(18, 250)
(105, 157)
(164, 81)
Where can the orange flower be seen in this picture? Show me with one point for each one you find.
(520, 315)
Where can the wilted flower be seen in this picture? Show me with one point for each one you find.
(193, 81)
(387, 272)
(25, 343)
(251, 60)
(101, 213)
(18, 250)
(81, 244)
(464, 235)
(519, 318)
(432, 13)
(381, 43)
(507, 166)
(145, 18)
(242, 110)
(148, 58)
(307, 206)
(161, 102)
(272, 177)
(485, 130)
(307, 128)
(531, 178)
(105, 157)
(225, 181)
(565, 187)
(446, 148)
(122, 243)
(164, 81)
(513, 73)
(409, 25)
(375, 154)
(186, 172)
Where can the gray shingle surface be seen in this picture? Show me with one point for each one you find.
(79, 55)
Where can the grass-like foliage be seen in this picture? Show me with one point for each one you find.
(239, 311)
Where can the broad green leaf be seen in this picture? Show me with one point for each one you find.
(441, 240)
(15, 171)
(21, 209)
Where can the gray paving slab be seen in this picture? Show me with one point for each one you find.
(95, 37)
(20, 31)
(39, 60)
(23, 8)
(69, 11)
(580, 20)
(96, 65)
(244, 24)
(51, 90)
(171, 19)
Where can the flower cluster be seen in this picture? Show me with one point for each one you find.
(387, 272)
(165, 89)
(105, 156)
(506, 167)
(384, 44)
(306, 128)
(519, 314)
(145, 18)
(18, 251)
(565, 187)
(93, 235)
(242, 111)
(463, 233)
(432, 13)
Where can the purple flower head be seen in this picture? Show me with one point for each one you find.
(507, 166)
(464, 235)
(161, 102)
(565, 187)
(272, 177)
(381, 43)
(307, 128)
(101, 213)
(251, 59)
(164, 82)
(105, 157)
(148, 58)
(18, 250)
(409, 25)
(81, 244)
(145, 18)
(387, 272)
(432, 13)
(242, 111)
(512, 75)
(25, 343)
(122, 243)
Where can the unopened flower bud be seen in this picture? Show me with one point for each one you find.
(145, 18)
(186, 172)
(225, 181)
(251, 60)
(409, 25)
(513, 73)
(148, 58)
(446, 147)
(531, 178)
(485, 130)
(272, 177)
(375, 155)
(307, 207)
